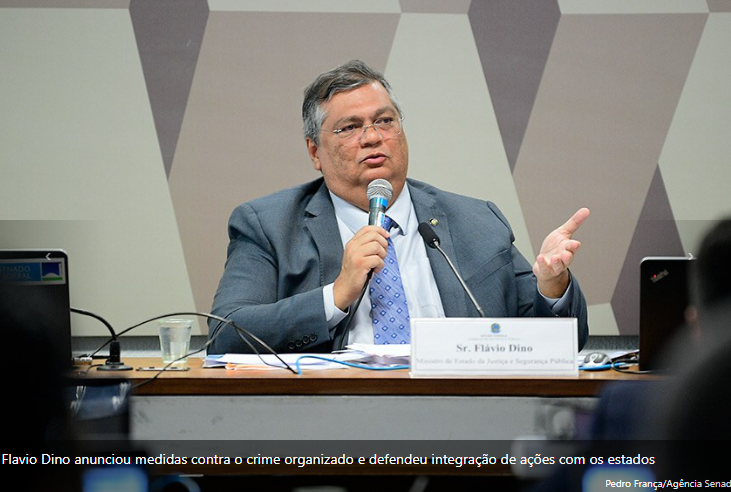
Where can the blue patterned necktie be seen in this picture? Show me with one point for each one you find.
(389, 311)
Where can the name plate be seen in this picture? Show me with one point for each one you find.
(494, 347)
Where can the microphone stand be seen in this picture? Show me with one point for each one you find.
(432, 240)
(114, 362)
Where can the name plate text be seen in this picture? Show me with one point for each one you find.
(494, 347)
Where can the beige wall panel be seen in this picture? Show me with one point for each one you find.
(454, 140)
(66, 4)
(601, 114)
(632, 6)
(435, 6)
(81, 146)
(692, 232)
(695, 159)
(601, 320)
(242, 133)
(719, 5)
(323, 6)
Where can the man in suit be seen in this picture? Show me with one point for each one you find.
(298, 260)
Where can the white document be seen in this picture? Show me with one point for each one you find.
(382, 354)
(269, 361)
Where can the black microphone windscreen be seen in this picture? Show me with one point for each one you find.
(430, 237)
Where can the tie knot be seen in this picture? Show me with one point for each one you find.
(388, 223)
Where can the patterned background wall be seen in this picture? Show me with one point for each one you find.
(131, 128)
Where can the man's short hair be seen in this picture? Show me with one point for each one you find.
(346, 77)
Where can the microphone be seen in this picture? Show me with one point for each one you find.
(432, 240)
(114, 362)
(379, 193)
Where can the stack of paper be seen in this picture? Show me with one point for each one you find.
(354, 355)
(385, 355)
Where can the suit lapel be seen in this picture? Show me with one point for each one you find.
(323, 226)
(320, 220)
(426, 208)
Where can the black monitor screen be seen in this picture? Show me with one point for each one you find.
(663, 300)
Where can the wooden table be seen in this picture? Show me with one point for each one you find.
(199, 381)
(347, 412)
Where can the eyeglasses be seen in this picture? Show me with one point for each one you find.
(386, 127)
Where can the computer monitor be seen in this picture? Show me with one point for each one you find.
(664, 297)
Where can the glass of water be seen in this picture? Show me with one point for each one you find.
(175, 340)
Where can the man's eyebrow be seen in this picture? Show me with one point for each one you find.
(348, 119)
(384, 109)
(357, 119)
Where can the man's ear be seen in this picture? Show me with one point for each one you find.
(312, 149)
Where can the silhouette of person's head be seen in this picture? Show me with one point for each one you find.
(695, 405)
(709, 282)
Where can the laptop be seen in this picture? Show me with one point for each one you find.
(34, 294)
(664, 297)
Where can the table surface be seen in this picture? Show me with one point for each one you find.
(435, 397)
(350, 381)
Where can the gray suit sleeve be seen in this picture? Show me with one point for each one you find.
(267, 289)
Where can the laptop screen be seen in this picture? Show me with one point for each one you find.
(664, 297)
(35, 295)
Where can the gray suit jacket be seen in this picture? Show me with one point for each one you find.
(285, 247)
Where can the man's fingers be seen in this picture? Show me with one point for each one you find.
(572, 245)
(372, 248)
(554, 264)
(370, 233)
(363, 253)
(558, 249)
(573, 224)
(544, 264)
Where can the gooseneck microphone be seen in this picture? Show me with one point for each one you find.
(114, 362)
(432, 240)
(379, 193)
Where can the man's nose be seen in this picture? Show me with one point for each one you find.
(370, 134)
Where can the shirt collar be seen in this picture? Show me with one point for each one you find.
(355, 218)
